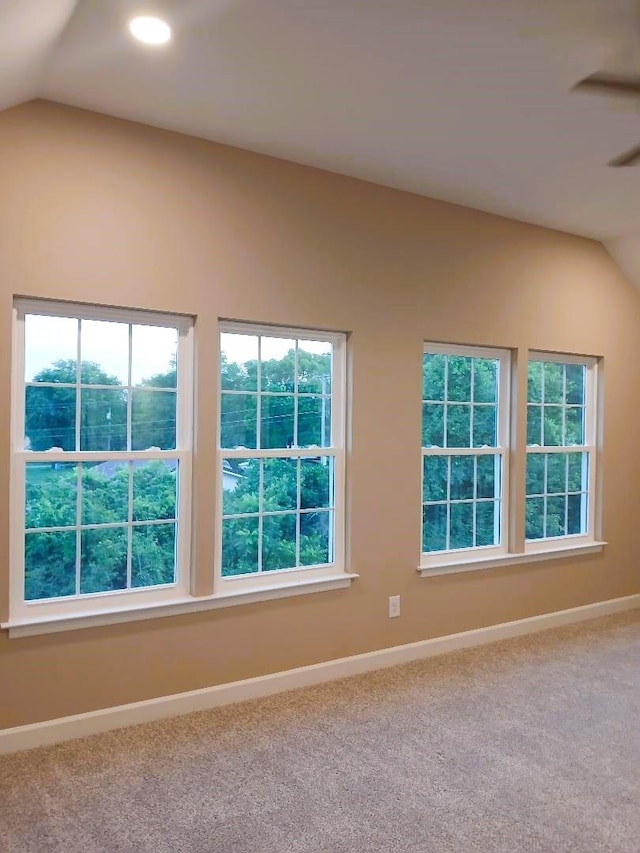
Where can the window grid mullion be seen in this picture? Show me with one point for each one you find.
(130, 393)
(296, 440)
(298, 508)
(130, 524)
(77, 433)
(259, 396)
(79, 475)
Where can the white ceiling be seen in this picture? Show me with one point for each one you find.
(464, 100)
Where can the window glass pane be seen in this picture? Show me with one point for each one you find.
(50, 418)
(534, 526)
(315, 534)
(105, 492)
(277, 364)
(278, 542)
(556, 473)
(488, 476)
(314, 367)
(154, 489)
(432, 425)
(575, 383)
(314, 421)
(50, 565)
(103, 564)
(485, 380)
(462, 477)
(535, 473)
(103, 423)
(51, 349)
(154, 356)
(553, 382)
(239, 546)
(552, 426)
(433, 373)
(534, 425)
(153, 555)
(458, 426)
(153, 420)
(576, 514)
(238, 362)
(104, 348)
(279, 484)
(487, 523)
(461, 520)
(434, 528)
(238, 421)
(578, 471)
(574, 425)
(459, 378)
(435, 475)
(556, 516)
(241, 486)
(316, 486)
(51, 495)
(484, 426)
(276, 421)
(534, 382)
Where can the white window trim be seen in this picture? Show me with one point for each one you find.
(74, 608)
(434, 559)
(579, 547)
(552, 544)
(252, 583)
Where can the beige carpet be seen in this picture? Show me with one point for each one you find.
(527, 745)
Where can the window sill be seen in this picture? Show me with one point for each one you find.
(505, 560)
(29, 627)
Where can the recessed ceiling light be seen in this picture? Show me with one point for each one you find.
(150, 30)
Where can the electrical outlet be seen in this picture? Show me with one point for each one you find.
(394, 606)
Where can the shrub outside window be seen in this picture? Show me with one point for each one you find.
(101, 464)
(465, 408)
(561, 448)
(281, 457)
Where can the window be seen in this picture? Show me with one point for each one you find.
(465, 409)
(561, 447)
(101, 457)
(281, 461)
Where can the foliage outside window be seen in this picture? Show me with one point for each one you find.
(281, 453)
(560, 447)
(101, 465)
(464, 433)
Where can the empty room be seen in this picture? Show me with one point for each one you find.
(319, 335)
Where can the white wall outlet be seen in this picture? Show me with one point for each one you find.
(394, 606)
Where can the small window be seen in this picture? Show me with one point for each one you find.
(102, 456)
(281, 458)
(561, 447)
(465, 410)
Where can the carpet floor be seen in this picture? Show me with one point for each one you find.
(525, 745)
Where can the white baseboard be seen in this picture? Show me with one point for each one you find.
(94, 722)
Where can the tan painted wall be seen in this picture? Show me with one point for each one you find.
(99, 210)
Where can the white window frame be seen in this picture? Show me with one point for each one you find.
(461, 556)
(257, 581)
(590, 447)
(26, 611)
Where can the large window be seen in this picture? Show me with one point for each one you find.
(281, 460)
(465, 410)
(102, 456)
(561, 447)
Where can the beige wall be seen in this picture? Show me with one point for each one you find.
(105, 211)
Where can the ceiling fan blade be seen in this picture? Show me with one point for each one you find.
(630, 158)
(610, 84)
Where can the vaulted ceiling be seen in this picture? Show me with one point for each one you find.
(456, 99)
